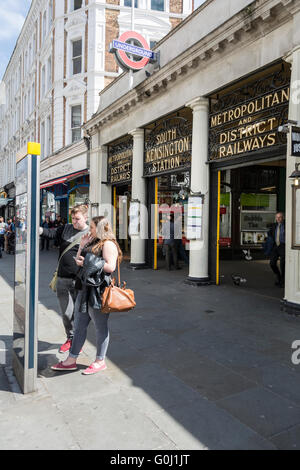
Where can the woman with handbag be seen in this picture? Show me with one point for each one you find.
(97, 256)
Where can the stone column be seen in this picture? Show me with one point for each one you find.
(138, 243)
(100, 192)
(198, 271)
(292, 262)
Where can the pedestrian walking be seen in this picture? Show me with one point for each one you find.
(170, 242)
(68, 238)
(57, 223)
(2, 233)
(277, 235)
(10, 237)
(46, 224)
(97, 256)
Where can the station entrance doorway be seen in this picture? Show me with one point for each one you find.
(248, 198)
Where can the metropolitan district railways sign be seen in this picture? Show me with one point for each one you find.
(119, 164)
(249, 126)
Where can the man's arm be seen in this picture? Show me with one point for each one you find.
(52, 234)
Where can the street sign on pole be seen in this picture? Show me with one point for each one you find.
(295, 141)
(26, 267)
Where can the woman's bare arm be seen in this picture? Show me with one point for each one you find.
(110, 255)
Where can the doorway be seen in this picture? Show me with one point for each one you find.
(246, 202)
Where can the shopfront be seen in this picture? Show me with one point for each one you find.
(167, 169)
(247, 158)
(65, 181)
(59, 196)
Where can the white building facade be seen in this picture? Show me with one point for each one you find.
(59, 65)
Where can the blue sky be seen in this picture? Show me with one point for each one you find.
(12, 17)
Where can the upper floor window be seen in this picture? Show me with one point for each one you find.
(50, 13)
(49, 73)
(42, 140)
(43, 80)
(77, 4)
(158, 5)
(44, 26)
(76, 123)
(77, 56)
(128, 3)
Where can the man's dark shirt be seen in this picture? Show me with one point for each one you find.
(65, 235)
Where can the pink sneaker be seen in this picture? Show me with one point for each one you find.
(61, 366)
(94, 368)
(66, 346)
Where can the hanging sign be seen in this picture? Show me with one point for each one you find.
(295, 142)
(132, 51)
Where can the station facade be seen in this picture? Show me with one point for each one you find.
(206, 122)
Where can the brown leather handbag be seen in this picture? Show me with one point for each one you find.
(117, 298)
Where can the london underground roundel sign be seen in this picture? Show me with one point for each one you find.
(132, 51)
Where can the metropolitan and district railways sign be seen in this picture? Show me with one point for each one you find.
(168, 149)
(119, 164)
(249, 126)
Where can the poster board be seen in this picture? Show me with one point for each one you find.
(194, 218)
(27, 210)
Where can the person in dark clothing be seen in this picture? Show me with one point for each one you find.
(277, 234)
(57, 223)
(66, 235)
(2, 233)
(170, 242)
(46, 224)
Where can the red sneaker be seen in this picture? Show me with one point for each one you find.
(66, 346)
(94, 368)
(61, 366)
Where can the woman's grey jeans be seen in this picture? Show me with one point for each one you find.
(81, 323)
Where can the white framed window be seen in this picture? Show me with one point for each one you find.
(75, 123)
(33, 96)
(43, 81)
(158, 5)
(50, 14)
(76, 56)
(76, 4)
(25, 107)
(30, 54)
(49, 137)
(26, 63)
(42, 140)
(33, 47)
(29, 102)
(152, 43)
(128, 3)
(49, 73)
(44, 26)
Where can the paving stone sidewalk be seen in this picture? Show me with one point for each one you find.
(190, 368)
